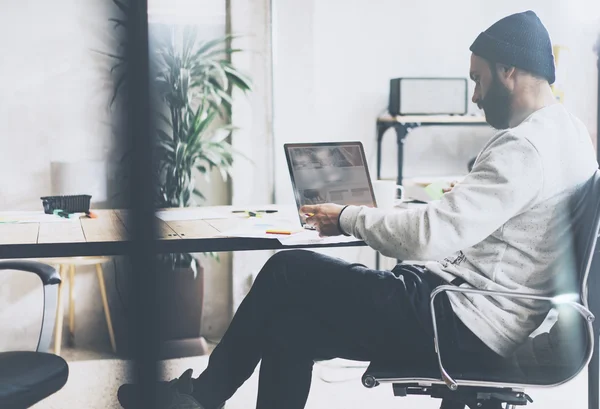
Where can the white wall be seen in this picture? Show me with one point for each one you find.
(333, 60)
(54, 105)
(55, 93)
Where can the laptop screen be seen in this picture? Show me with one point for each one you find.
(330, 173)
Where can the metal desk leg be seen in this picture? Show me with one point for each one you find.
(401, 132)
(380, 130)
(381, 127)
(593, 380)
(598, 115)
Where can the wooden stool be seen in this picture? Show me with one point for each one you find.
(68, 264)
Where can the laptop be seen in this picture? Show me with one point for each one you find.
(329, 172)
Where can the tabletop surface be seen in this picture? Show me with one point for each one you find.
(197, 229)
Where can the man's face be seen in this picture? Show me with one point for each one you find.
(490, 93)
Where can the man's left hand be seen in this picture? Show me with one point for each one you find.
(324, 217)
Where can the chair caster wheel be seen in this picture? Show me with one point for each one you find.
(369, 381)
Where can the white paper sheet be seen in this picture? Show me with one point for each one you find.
(35, 217)
(257, 228)
(195, 213)
(312, 237)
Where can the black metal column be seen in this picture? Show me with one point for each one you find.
(401, 132)
(598, 103)
(381, 127)
(594, 306)
(141, 220)
(593, 379)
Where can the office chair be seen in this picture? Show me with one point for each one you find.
(548, 358)
(27, 377)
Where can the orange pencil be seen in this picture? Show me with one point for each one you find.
(279, 232)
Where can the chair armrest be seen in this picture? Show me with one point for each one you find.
(448, 380)
(50, 278)
(46, 273)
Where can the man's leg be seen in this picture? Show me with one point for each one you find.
(305, 306)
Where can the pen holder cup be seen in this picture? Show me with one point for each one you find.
(69, 204)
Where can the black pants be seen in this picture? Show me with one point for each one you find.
(305, 306)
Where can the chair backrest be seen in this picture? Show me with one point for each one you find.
(556, 356)
(585, 224)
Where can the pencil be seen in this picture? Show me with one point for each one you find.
(279, 232)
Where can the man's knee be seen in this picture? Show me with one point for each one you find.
(288, 257)
(281, 262)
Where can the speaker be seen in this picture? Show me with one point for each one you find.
(428, 96)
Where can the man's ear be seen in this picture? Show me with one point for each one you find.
(506, 74)
(505, 71)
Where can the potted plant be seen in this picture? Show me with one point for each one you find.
(193, 80)
(192, 83)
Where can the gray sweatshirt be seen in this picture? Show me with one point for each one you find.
(504, 227)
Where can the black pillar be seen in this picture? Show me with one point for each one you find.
(141, 219)
(598, 106)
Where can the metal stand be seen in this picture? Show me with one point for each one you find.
(593, 380)
(598, 107)
(401, 132)
(594, 366)
(594, 306)
(402, 125)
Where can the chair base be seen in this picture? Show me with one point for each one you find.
(473, 397)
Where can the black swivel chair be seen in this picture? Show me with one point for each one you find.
(27, 377)
(548, 358)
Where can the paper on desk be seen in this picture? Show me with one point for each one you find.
(312, 237)
(194, 213)
(33, 217)
(257, 228)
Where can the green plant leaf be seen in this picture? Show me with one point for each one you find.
(208, 45)
(219, 74)
(117, 57)
(118, 22)
(163, 136)
(117, 66)
(199, 194)
(242, 81)
(165, 119)
(124, 8)
(118, 86)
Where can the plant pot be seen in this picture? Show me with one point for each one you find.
(180, 300)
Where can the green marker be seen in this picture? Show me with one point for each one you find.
(61, 213)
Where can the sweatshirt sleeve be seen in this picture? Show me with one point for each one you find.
(505, 181)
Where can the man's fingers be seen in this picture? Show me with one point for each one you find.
(308, 210)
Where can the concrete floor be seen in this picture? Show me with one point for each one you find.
(93, 385)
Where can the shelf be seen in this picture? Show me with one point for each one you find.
(435, 119)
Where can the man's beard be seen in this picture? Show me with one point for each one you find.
(496, 105)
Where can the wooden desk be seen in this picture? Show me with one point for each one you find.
(107, 235)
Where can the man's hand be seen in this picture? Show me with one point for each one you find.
(447, 189)
(324, 217)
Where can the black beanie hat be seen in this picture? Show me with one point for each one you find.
(519, 40)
